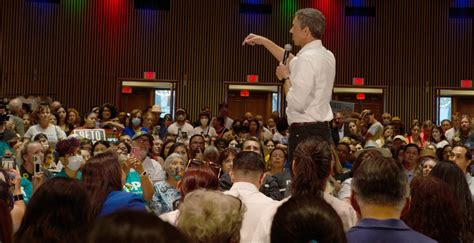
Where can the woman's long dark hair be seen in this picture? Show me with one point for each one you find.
(59, 211)
(456, 179)
(434, 211)
(312, 167)
(6, 225)
(100, 176)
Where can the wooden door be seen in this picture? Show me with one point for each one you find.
(373, 102)
(258, 103)
(140, 98)
(464, 105)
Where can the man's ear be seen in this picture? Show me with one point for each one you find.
(354, 203)
(232, 176)
(406, 207)
(261, 179)
(293, 167)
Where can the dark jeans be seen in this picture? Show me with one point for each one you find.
(298, 134)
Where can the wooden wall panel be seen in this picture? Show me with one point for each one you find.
(75, 51)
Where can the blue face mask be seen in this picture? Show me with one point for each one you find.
(136, 121)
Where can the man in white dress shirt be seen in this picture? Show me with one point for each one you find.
(308, 77)
(247, 175)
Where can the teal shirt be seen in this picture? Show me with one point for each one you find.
(26, 189)
(133, 183)
(62, 173)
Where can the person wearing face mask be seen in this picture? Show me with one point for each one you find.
(204, 129)
(69, 151)
(134, 124)
(166, 193)
(267, 134)
(180, 128)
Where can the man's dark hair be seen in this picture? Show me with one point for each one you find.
(381, 181)
(134, 226)
(281, 124)
(468, 154)
(411, 145)
(248, 161)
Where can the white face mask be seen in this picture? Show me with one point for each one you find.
(75, 162)
(204, 121)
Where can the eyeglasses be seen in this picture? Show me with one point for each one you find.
(216, 168)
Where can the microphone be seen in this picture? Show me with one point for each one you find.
(287, 48)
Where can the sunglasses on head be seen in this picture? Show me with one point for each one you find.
(216, 168)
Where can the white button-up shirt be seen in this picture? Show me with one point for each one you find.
(312, 74)
(256, 204)
(344, 210)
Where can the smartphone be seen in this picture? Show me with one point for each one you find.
(136, 152)
(37, 164)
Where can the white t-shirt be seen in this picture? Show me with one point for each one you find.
(209, 131)
(186, 128)
(54, 133)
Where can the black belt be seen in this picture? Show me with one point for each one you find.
(303, 124)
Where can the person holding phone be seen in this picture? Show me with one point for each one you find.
(32, 174)
(141, 145)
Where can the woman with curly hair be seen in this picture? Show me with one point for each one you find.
(69, 151)
(211, 216)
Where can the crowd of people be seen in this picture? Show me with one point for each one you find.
(166, 178)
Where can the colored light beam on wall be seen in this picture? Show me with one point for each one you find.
(355, 3)
(461, 3)
(76, 6)
(288, 8)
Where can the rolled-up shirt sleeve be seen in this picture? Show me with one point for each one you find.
(302, 84)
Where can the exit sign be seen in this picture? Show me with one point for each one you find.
(466, 83)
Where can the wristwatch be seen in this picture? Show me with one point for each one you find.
(18, 197)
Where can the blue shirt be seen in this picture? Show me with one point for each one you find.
(130, 132)
(163, 198)
(118, 200)
(389, 230)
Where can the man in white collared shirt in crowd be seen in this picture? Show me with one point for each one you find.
(461, 156)
(309, 77)
(247, 175)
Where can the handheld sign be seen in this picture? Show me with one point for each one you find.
(92, 134)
